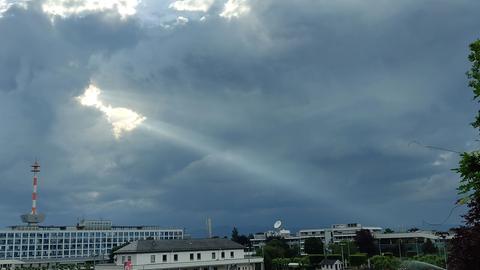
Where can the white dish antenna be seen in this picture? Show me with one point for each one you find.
(277, 224)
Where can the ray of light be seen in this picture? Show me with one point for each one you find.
(248, 163)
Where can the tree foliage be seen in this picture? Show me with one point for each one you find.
(241, 239)
(429, 248)
(365, 242)
(465, 246)
(276, 248)
(313, 245)
(431, 259)
(385, 263)
(358, 259)
(349, 247)
(388, 230)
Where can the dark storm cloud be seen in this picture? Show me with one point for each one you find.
(306, 111)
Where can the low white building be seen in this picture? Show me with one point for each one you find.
(327, 264)
(195, 254)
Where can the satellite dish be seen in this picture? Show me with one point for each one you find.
(277, 224)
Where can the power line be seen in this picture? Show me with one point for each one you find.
(433, 147)
(445, 220)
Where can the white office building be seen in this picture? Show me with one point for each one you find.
(88, 239)
(195, 254)
(337, 232)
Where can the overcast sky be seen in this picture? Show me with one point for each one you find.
(168, 112)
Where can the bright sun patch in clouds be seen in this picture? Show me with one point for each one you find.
(65, 8)
(235, 8)
(5, 5)
(122, 119)
(192, 5)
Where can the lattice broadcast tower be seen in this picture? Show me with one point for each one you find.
(34, 217)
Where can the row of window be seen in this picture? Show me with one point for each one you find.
(90, 234)
(58, 247)
(51, 254)
(192, 256)
(18, 251)
(73, 241)
(79, 241)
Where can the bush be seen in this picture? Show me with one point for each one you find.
(411, 254)
(315, 259)
(385, 263)
(334, 256)
(431, 259)
(358, 259)
(387, 254)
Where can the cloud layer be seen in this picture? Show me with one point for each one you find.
(314, 112)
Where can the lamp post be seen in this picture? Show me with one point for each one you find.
(400, 248)
(416, 244)
(444, 237)
(343, 259)
(94, 256)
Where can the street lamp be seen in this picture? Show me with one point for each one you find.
(444, 237)
(343, 259)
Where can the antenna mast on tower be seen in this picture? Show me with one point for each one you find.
(34, 218)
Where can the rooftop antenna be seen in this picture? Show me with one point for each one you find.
(209, 227)
(34, 218)
(277, 224)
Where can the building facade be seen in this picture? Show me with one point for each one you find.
(335, 234)
(411, 243)
(86, 240)
(198, 254)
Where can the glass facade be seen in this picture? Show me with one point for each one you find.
(44, 244)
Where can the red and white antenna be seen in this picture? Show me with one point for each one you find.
(33, 218)
(35, 170)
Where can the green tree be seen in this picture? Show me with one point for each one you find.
(365, 242)
(313, 245)
(358, 259)
(234, 237)
(465, 246)
(388, 230)
(431, 259)
(429, 248)
(385, 263)
(241, 239)
(276, 248)
(115, 248)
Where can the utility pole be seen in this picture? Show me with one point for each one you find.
(343, 259)
(416, 244)
(400, 248)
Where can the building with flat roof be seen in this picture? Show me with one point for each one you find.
(203, 254)
(335, 234)
(87, 239)
(405, 243)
